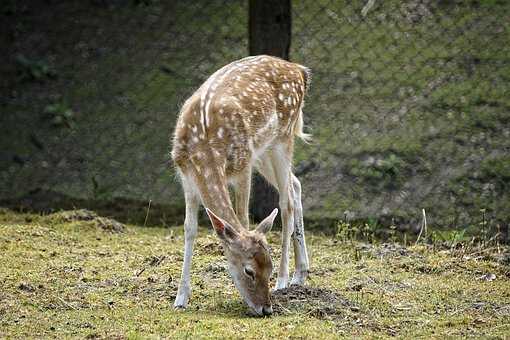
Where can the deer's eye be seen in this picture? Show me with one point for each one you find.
(249, 272)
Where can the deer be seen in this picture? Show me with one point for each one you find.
(245, 116)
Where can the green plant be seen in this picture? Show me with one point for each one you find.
(344, 231)
(34, 69)
(60, 114)
(393, 233)
(450, 238)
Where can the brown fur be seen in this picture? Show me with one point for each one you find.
(240, 111)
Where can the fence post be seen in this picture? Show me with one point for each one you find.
(269, 33)
(270, 27)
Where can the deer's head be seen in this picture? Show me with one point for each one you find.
(249, 260)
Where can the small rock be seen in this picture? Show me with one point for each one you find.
(488, 277)
(27, 287)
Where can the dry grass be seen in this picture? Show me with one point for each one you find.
(64, 278)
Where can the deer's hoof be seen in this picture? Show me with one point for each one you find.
(180, 302)
(281, 284)
(299, 278)
(179, 307)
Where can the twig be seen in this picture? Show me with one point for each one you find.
(140, 271)
(484, 235)
(483, 250)
(159, 260)
(423, 226)
(67, 304)
(285, 310)
(147, 215)
(368, 6)
(457, 311)
(153, 263)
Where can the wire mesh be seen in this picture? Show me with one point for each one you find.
(408, 105)
(100, 129)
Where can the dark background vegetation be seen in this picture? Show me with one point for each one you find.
(409, 105)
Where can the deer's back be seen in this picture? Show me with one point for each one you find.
(241, 110)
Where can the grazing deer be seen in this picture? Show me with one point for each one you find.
(245, 115)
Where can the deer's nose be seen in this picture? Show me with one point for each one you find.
(267, 310)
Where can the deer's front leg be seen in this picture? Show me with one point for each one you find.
(190, 232)
(242, 197)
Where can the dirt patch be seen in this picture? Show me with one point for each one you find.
(376, 284)
(387, 250)
(151, 261)
(216, 269)
(416, 11)
(26, 287)
(156, 287)
(317, 302)
(77, 215)
(104, 223)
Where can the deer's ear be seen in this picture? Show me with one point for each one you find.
(223, 229)
(267, 223)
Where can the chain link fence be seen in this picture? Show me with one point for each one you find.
(96, 132)
(409, 107)
(409, 104)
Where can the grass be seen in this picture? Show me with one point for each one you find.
(72, 278)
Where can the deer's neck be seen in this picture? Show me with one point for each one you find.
(212, 184)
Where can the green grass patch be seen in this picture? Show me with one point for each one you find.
(73, 278)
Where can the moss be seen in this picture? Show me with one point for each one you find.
(497, 168)
(384, 172)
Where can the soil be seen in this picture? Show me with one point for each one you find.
(318, 302)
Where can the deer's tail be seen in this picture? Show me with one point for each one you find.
(298, 129)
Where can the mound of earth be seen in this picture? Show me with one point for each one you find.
(318, 302)
(105, 223)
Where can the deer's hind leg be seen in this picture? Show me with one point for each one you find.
(298, 237)
(190, 232)
(275, 166)
(265, 168)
